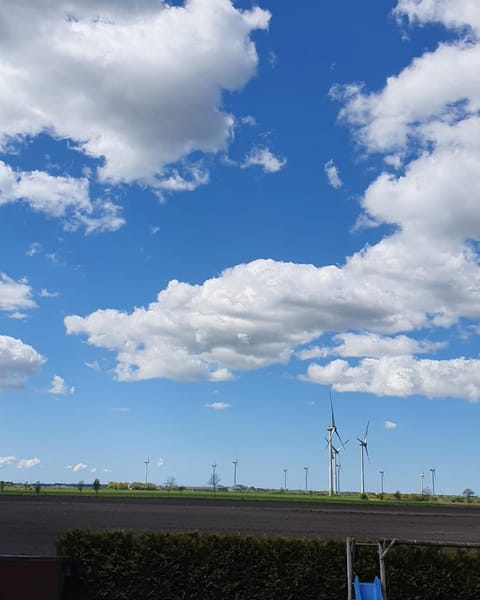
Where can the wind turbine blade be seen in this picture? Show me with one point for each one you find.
(366, 431)
(341, 441)
(361, 441)
(366, 450)
(331, 407)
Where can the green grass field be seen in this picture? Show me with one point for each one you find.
(247, 495)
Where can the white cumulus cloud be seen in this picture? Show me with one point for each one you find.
(136, 85)
(424, 275)
(6, 460)
(264, 158)
(28, 463)
(160, 462)
(15, 295)
(390, 425)
(402, 376)
(333, 175)
(59, 387)
(18, 362)
(44, 293)
(218, 405)
(77, 468)
(454, 14)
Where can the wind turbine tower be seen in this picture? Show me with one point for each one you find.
(332, 430)
(147, 462)
(363, 450)
(432, 471)
(235, 464)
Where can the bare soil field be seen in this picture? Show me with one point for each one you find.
(30, 525)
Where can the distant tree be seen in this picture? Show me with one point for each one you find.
(468, 493)
(38, 488)
(171, 483)
(81, 485)
(2, 486)
(25, 485)
(137, 485)
(397, 495)
(214, 481)
(118, 485)
(96, 485)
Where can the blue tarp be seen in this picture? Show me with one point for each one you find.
(368, 591)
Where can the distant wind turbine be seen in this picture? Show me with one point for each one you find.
(337, 467)
(363, 449)
(332, 431)
(235, 465)
(433, 471)
(147, 462)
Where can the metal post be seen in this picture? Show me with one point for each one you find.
(383, 548)
(285, 479)
(383, 576)
(350, 552)
(381, 481)
(306, 479)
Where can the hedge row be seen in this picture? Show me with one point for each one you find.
(121, 565)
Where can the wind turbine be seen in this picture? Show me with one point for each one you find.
(363, 449)
(332, 430)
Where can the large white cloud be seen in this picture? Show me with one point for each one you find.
(256, 314)
(18, 362)
(402, 376)
(138, 84)
(423, 275)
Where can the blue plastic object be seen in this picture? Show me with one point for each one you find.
(368, 591)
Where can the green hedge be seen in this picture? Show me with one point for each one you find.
(121, 565)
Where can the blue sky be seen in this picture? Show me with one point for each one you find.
(211, 214)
